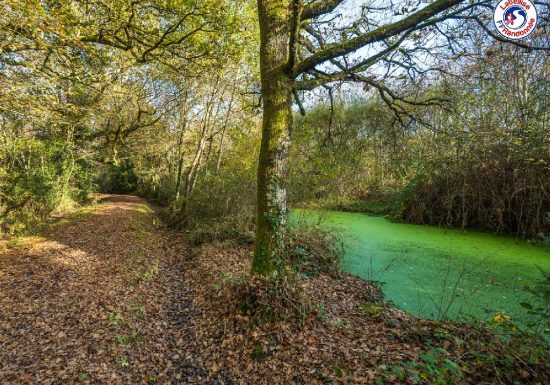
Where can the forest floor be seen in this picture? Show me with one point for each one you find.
(109, 296)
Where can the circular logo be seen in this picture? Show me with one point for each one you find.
(515, 19)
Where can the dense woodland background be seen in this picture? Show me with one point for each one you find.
(89, 103)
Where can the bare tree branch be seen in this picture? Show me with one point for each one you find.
(320, 8)
(335, 50)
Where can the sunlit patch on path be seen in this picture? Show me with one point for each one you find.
(91, 302)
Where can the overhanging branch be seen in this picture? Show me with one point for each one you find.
(335, 50)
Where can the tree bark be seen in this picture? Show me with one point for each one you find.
(276, 128)
(180, 159)
(191, 176)
(226, 123)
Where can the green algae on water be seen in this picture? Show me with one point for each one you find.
(437, 272)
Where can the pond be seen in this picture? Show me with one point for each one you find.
(433, 271)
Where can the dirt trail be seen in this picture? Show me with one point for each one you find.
(101, 300)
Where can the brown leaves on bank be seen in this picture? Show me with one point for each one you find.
(321, 330)
(327, 330)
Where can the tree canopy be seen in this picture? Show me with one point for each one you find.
(165, 98)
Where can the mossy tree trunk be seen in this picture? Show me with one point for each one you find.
(281, 22)
(276, 128)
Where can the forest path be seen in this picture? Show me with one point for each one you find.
(100, 300)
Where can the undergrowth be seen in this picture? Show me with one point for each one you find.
(273, 299)
(313, 247)
(432, 368)
(233, 229)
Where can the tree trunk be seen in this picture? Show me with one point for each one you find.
(180, 160)
(179, 170)
(191, 177)
(226, 123)
(276, 127)
(193, 169)
(207, 160)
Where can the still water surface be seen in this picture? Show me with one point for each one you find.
(432, 271)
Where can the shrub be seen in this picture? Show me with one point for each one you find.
(433, 367)
(273, 299)
(235, 228)
(119, 178)
(500, 195)
(538, 308)
(38, 177)
(314, 247)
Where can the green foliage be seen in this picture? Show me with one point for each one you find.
(482, 164)
(120, 178)
(114, 319)
(505, 352)
(221, 204)
(234, 229)
(84, 180)
(229, 193)
(504, 348)
(122, 362)
(79, 105)
(336, 153)
(258, 352)
(314, 247)
(538, 308)
(433, 367)
(372, 309)
(376, 201)
(121, 339)
(38, 177)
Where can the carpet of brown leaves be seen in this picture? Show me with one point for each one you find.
(344, 342)
(97, 301)
(110, 297)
